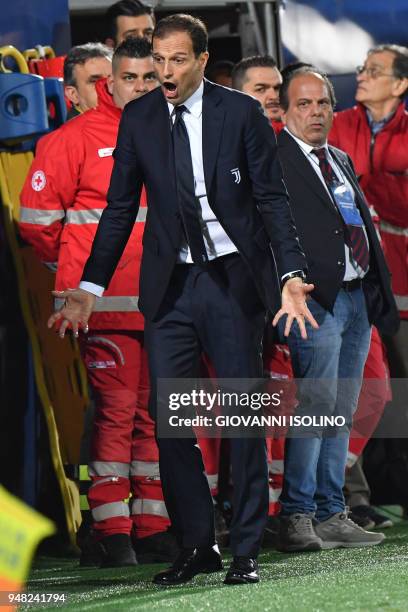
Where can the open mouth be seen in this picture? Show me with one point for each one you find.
(169, 89)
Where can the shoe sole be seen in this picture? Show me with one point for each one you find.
(207, 571)
(331, 545)
(311, 547)
(239, 581)
(384, 525)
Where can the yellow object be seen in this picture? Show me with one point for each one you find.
(21, 529)
(31, 54)
(10, 51)
(59, 373)
(39, 52)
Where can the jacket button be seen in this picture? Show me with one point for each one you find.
(340, 263)
(337, 232)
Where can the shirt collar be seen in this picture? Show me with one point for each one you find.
(377, 126)
(306, 148)
(194, 103)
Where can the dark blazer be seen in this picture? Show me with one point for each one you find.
(321, 234)
(244, 187)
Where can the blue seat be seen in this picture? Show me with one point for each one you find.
(23, 106)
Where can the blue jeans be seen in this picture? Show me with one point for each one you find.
(315, 464)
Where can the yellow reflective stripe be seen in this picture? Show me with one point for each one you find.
(83, 502)
(108, 468)
(37, 216)
(106, 511)
(114, 303)
(83, 472)
(393, 229)
(93, 215)
(149, 506)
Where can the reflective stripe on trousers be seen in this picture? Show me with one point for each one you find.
(108, 468)
(145, 469)
(107, 511)
(149, 506)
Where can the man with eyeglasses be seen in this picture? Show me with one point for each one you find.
(375, 134)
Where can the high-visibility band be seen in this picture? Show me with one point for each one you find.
(274, 494)
(147, 469)
(402, 301)
(93, 215)
(351, 459)
(107, 511)
(393, 229)
(114, 303)
(212, 480)
(149, 506)
(83, 502)
(276, 466)
(108, 468)
(38, 216)
(83, 473)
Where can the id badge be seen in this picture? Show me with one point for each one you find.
(346, 205)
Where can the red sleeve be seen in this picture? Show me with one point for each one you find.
(50, 189)
(388, 193)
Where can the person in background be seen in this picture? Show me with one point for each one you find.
(61, 204)
(348, 270)
(259, 76)
(220, 72)
(375, 134)
(128, 18)
(84, 65)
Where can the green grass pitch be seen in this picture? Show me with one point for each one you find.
(364, 579)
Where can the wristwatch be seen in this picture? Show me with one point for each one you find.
(296, 274)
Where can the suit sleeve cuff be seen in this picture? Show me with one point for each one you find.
(92, 288)
(288, 274)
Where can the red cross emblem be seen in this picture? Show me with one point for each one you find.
(38, 180)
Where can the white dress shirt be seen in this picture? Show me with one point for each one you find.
(352, 270)
(216, 241)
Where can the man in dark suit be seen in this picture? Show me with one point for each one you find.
(216, 205)
(352, 291)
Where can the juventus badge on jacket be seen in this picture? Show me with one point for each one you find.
(236, 174)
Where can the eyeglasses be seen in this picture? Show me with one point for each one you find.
(372, 73)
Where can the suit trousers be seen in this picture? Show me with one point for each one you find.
(213, 309)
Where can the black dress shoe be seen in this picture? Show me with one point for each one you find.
(243, 570)
(189, 563)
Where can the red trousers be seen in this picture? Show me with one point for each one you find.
(126, 490)
(375, 393)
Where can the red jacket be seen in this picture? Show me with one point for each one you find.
(381, 162)
(62, 201)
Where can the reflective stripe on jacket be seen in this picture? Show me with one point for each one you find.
(63, 199)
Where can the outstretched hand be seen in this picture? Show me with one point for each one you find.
(76, 310)
(294, 294)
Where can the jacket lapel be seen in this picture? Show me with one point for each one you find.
(212, 121)
(290, 152)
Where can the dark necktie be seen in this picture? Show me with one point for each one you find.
(188, 202)
(355, 237)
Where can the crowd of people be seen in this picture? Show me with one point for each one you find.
(200, 193)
